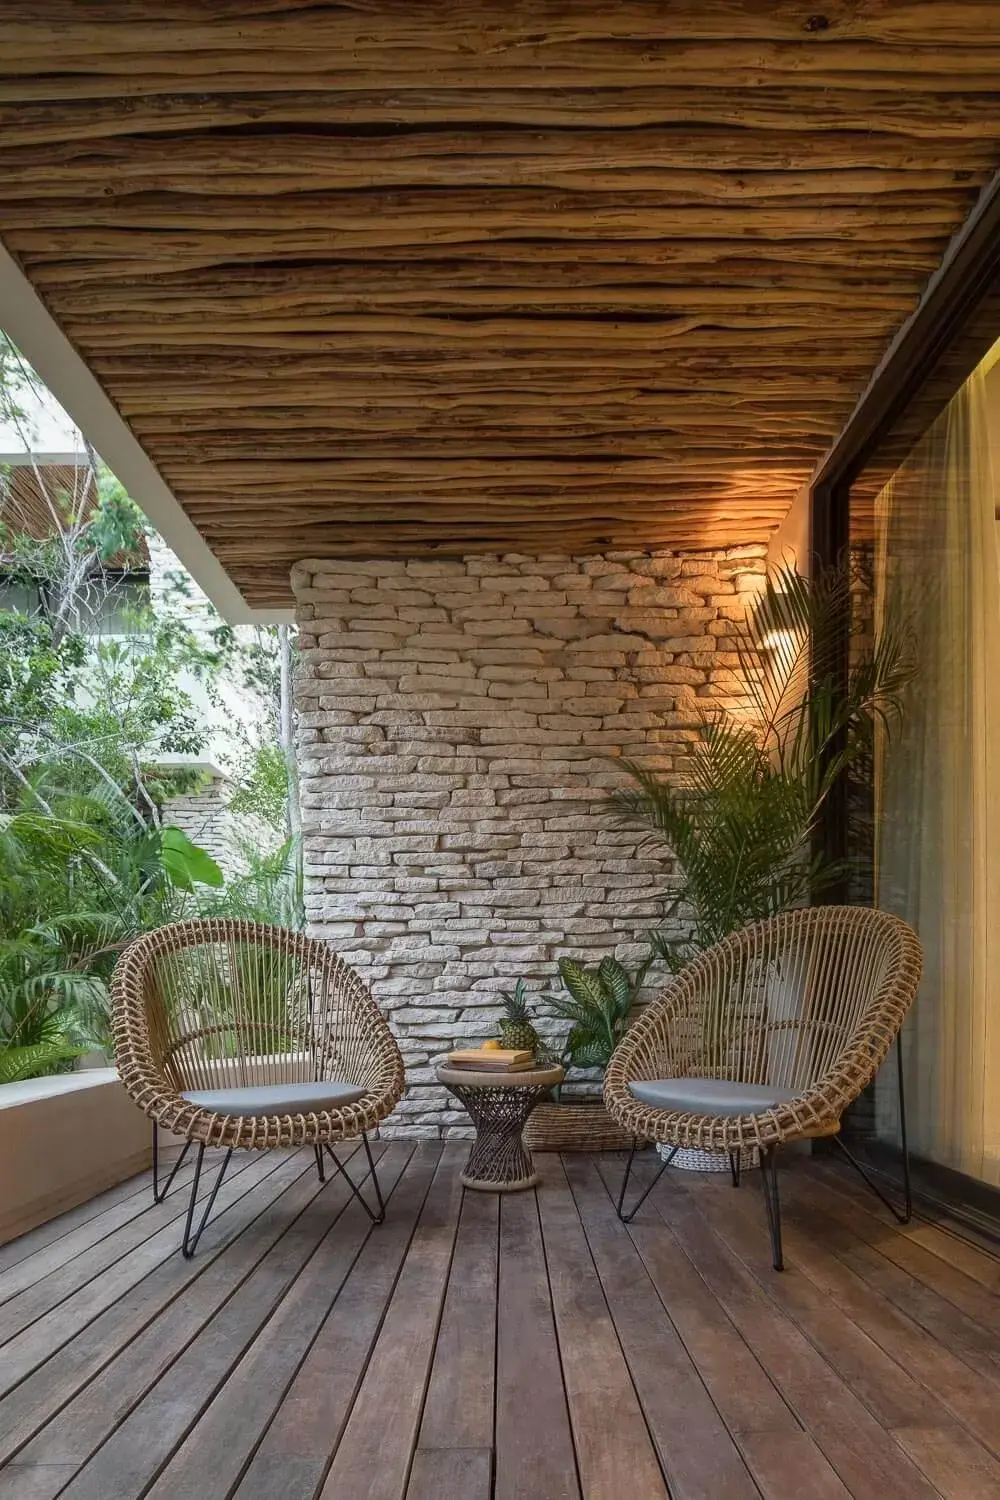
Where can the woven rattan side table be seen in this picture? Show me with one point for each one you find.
(499, 1105)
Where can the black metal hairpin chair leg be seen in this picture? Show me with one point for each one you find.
(734, 1166)
(160, 1193)
(904, 1215)
(321, 1173)
(190, 1243)
(627, 1218)
(772, 1202)
(376, 1218)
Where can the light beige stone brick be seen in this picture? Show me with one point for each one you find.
(457, 723)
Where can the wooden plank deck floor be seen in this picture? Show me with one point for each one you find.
(525, 1348)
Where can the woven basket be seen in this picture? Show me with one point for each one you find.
(694, 1159)
(575, 1125)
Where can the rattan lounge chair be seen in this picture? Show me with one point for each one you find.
(767, 1038)
(236, 1035)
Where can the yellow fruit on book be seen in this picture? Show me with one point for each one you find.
(493, 1046)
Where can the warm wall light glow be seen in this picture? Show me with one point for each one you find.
(779, 640)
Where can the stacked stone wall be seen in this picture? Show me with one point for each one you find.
(458, 723)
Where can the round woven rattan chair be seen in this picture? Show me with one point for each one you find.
(767, 1038)
(236, 1035)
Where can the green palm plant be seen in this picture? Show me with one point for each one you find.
(269, 889)
(740, 825)
(78, 880)
(53, 994)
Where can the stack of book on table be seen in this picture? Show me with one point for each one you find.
(492, 1060)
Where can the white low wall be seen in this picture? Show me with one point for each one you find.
(63, 1140)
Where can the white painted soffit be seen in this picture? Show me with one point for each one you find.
(25, 318)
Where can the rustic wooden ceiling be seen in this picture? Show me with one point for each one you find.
(391, 278)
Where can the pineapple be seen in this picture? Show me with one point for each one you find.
(516, 1030)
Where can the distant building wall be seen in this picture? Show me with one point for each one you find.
(234, 715)
(205, 816)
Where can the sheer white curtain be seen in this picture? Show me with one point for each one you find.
(938, 783)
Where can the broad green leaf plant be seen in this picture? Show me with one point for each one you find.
(597, 1001)
(739, 826)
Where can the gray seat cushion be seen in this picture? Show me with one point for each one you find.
(276, 1098)
(710, 1096)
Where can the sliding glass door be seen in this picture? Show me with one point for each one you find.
(937, 781)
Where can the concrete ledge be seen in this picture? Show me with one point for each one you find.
(64, 1140)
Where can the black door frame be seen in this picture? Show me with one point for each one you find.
(953, 328)
(956, 323)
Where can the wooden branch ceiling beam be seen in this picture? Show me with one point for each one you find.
(399, 280)
(583, 158)
(937, 115)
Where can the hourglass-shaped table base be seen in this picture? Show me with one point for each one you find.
(499, 1105)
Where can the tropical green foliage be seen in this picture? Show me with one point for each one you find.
(183, 864)
(78, 882)
(20, 1063)
(268, 889)
(261, 784)
(72, 709)
(740, 826)
(87, 715)
(597, 1001)
(87, 531)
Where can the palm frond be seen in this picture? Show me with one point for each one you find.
(740, 825)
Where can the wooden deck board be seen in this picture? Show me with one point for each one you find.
(106, 1285)
(458, 1411)
(373, 1457)
(126, 1424)
(135, 1189)
(862, 1451)
(695, 1447)
(534, 1441)
(215, 1453)
(299, 1445)
(935, 1268)
(964, 1254)
(177, 1298)
(783, 1457)
(899, 1402)
(451, 1474)
(613, 1457)
(475, 1348)
(870, 1250)
(26, 1265)
(34, 1301)
(959, 1389)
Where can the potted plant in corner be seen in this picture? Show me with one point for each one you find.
(597, 1002)
(740, 826)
